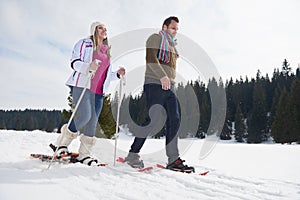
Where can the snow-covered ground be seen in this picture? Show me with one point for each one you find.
(237, 171)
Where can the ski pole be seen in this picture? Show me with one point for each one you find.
(122, 82)
(90, 75)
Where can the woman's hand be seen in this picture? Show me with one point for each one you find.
(94, 65)
(121, 71)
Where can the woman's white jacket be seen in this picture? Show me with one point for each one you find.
(80, 62)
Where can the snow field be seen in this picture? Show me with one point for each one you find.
(237, 171)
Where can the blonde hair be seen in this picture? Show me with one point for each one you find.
(96, 45)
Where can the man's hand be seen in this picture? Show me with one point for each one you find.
(165, 83)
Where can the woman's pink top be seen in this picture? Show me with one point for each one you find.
(100, 75)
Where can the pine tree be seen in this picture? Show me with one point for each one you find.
(281, 125)
(227, 129)
(18, 122)
(274, 106)
(2, 124)
(245, 92)
(50, 125)
(200, 91)
(205, 113)
(106, 119)
(294, 102)
(258, 117)
(269, 91)
(30, 123)
(239, 125)
(298, 71)
(231, 97)
(66, 114)
(286, 69)
(218, 106)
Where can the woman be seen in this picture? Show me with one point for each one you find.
(89, 55)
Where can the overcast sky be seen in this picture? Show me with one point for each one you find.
(37, 37)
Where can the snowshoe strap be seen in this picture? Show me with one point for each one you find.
(89, 163)
(53, 147)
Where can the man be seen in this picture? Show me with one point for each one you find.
(161, 56)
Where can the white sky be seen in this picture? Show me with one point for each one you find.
(37, 37)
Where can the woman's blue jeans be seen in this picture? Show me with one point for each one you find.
(88, 111)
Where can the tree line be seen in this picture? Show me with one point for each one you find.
(52, 121)
(30, 120)
(257, 110)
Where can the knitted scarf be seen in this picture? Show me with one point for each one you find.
(164, 50)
